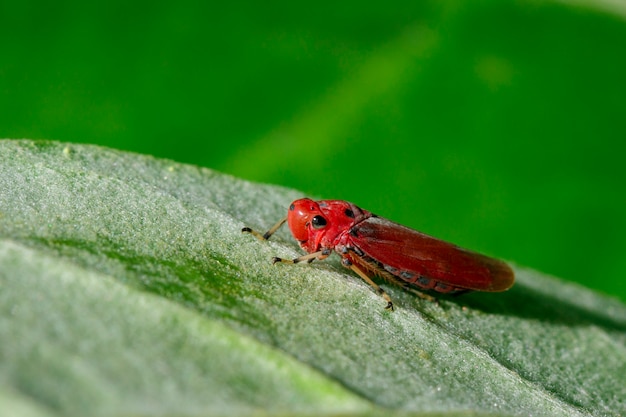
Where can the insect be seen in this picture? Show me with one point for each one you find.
(374, 246)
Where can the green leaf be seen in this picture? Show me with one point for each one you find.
(127, 288)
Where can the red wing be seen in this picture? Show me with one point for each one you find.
(410, 255)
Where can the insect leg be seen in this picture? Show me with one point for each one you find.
(309, 257)
(367, 279)
(407, 287)
(267, 234)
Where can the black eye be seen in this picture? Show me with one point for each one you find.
(292, 207)
(318, 222)
(349, 213)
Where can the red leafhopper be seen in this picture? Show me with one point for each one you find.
(374, 246)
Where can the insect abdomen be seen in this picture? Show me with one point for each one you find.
(421, 282)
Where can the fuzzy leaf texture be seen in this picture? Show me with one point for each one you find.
(127, 288)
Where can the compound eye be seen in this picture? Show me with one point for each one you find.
(318, 222)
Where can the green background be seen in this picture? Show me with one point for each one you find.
(497, 125)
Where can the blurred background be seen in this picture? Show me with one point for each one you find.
(498, 125)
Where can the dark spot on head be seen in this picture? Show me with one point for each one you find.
(349, 213)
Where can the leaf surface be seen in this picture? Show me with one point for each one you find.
(128, 288)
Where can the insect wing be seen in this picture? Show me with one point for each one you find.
(412, 255)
